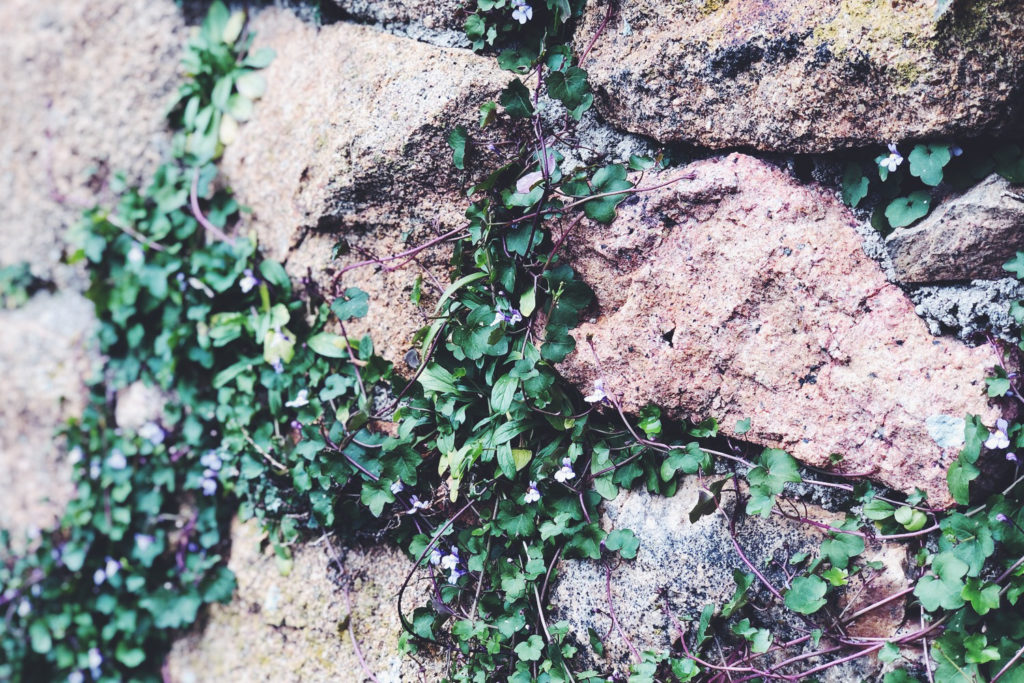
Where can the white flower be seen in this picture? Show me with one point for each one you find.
(892, 161)
(135, 255)
(532, 494)
(111, 567)
(598, 394)
(998, 439)
(94, 469)
(24, 608)
(513, 316)
(301, 399)
(565, 473)
(209, 487)
(418, 504)
(117, 461)
(522, 13)
(436, 556)
(397, 487)
(99, 576)
(143, 541)
(76, 677)
(454, 576)
(247, 282)
(75, 455)
(152, 432)
(450, 562)
(95, 658)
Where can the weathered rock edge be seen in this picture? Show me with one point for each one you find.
(745, 294)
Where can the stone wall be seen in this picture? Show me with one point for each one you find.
(745, 292)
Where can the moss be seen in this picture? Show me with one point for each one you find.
(711, 6)
(880, 22)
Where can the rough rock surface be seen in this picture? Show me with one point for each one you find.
(807, 76)
(686, 566)
(84, 94)
(432, 21)
(368, 162)
(744, 294)
(968, 237)
(44, 359)
(971, 311)
(299, 627)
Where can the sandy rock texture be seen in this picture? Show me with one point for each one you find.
(44, 360)
(740, 294)
(366, 163)
(682, 566)
(807, 76)
(968, 237)
(299, 627)
(83, 96)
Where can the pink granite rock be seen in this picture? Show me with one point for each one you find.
(742, 293)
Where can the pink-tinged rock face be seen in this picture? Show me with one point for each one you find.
(745, 294)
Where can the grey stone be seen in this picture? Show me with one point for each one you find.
(682, 566)
(972, 311)
(968, 237)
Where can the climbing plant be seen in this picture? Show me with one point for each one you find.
(484, 464)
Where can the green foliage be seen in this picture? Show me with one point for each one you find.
(17, 285)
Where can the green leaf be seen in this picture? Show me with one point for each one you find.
(841, 547)
(739, 597)
(516, 100)
(807, 594)
(958, 479)
(39, 635)
(260, 59)
(905, 210)
(611, 178)
(354, 303)
(855, 185)
(375, 495)
(775, 469)
(624, 541)
(457, 140)
(568, 87)
(503, 393)
(251, 85)
(530, 649)
(983, 597)
(329, 345)
(742, 426)
(130, 656)
(927, 162)
(488, 111)
(1016, 265)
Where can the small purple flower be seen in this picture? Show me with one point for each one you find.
(301, 399)
(248, 282)
(1002, 518)
(418, 504)
(565, 473)
(182, 284)
(998, 439)
(117, 461)
(75, 455)
(209, 486)
(453, 577)
(152, 432)
(450, 562)
(94, 469)
(278, 366)
(512, 317)
(24, 608)
(211, 461)
(95, 661)
(523, 12)
(99, 576)
(598, 394)
(397, 487)
(295, 424)
(76, 677)
(532, 494)
(144, 541)
(436, 556)
(956, 150)
(892, 162)
(1012, 457)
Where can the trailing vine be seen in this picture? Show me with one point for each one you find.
(484, 464)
